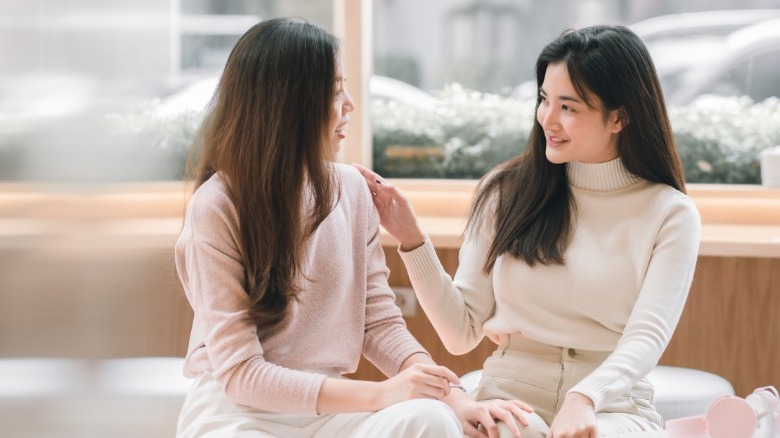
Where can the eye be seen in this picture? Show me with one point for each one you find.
(567, 108)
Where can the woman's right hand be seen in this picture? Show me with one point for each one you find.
(416, 381)
(395, 211)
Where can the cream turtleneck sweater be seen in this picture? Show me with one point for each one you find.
(628, 270)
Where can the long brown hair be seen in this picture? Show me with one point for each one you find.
(534, 205)
(264, 134)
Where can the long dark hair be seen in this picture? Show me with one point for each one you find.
(264, 134)
(531, 196)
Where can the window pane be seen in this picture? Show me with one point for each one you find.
(470, 66)
(112, 91)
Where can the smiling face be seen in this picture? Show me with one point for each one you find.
(341, 106)
(573, 130)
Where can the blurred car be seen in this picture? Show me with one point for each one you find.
(720, 53)
(742, 62)
(705, 23)
(196, 95)
(385, 89)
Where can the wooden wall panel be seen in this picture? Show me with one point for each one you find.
(730, 324)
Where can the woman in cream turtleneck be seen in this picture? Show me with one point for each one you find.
(578, 254)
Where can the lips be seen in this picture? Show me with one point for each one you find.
(340, 130)
(554, 141)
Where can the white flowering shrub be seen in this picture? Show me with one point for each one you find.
(170, 136)
(463, 136)
(720, 139)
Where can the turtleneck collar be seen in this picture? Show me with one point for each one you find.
(600, 177)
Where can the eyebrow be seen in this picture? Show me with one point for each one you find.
(567, 98)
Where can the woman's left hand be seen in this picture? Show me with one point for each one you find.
(479, 418)
(576, 418)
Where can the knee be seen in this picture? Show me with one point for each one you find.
(536, 428)
(428, 418)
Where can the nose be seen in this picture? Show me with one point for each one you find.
(548, 117)
(349, 104)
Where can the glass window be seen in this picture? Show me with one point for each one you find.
(94, 90)
(111, 91)
(471, 64)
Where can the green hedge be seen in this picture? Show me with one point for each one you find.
(466, 134)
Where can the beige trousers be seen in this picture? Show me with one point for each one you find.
(207, 413)
(540, 375)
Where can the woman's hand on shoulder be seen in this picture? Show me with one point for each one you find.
(479, 418)
(576, 418)
(395, 211)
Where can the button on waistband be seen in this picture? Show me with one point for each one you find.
(572, 353)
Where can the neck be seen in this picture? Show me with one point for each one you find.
(603, 177)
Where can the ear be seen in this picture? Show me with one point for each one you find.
(618, 119)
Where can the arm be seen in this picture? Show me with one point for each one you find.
(212, 270)
(457, 309)
(657, 310)
(420, 377)
(649, 328)
(210, 262)
(387, 342)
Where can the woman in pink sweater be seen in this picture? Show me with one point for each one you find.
(281, 262)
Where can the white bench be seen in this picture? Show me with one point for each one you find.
(679, 392)
(133, 397)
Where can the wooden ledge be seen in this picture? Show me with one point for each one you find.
(738, 221)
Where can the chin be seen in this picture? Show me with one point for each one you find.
(555, 158)
(335, 148)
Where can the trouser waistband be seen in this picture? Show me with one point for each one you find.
(518, 343)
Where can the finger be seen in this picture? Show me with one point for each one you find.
(489, 425)
(518, 413)
(524, 406)
(444, 372)
(393, 191)
(439, 385)
(369, 175)
(471, 431)
(508, 418)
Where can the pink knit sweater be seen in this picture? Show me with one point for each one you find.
(345, 308)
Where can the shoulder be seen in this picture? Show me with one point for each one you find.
(675, 199)
(675, 206)
(211, 204)
(348, 174)
(351, 182)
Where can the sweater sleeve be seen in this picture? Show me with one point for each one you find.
(457, 308)
(657, 310)
(387, 342)
(213, 269)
